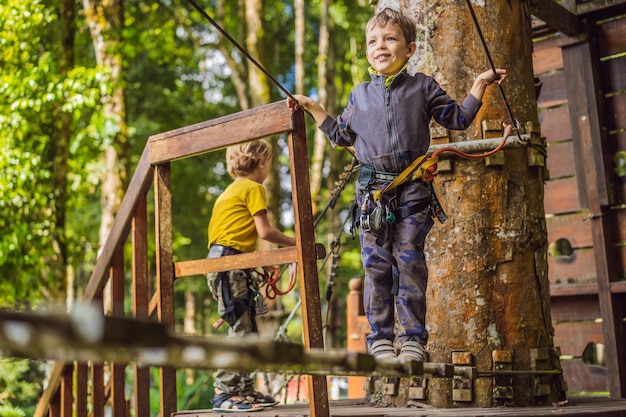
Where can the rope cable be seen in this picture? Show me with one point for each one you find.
(241, 49)
(493, 68)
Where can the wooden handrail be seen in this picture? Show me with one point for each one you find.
(268, 120)
(154, 168)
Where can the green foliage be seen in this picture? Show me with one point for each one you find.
(33, 95)
(194, 390)
(20, 386)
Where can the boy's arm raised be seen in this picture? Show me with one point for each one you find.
(308, 104)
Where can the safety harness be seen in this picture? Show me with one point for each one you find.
(385, 212)
(233, 309)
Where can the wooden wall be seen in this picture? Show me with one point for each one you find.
(573, 276)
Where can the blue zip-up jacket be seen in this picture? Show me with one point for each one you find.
(389, 126)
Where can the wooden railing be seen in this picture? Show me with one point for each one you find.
(66, 392)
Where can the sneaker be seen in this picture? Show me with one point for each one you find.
(382, 349)
(229, 403)
(261, 399)
(412, 350)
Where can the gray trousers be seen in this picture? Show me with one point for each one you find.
(405, 240)
(230, 381)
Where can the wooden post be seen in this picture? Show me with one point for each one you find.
(165, 275)
(488, 286)
(356, 336)
(307, 266)
(118, 400)
(592, 152)
(141, 300)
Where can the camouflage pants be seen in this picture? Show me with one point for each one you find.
(405, 241)
(229, 381)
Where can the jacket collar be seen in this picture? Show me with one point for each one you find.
(388, 79)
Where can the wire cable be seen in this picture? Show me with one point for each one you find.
(493, 68)
(241, 49)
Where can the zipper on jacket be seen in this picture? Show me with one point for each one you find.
(393, 137)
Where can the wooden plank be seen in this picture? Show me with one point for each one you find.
(82, 383)
(561, 196)
(620, 215)
(584, 378)
(612, 36)
(555, 124)
(553, 93)
(579, 268)
(547, 55)
(618, 140)
(610, 305)
(574, 308)
(51, 390)
(307, 266)
(97, 390)
(556, 16)
(66, 392)
(600, 9)
(572, 337)
(561, 159)
(614, 73)
(242, 261)
(586, 115)
(165, 275)
(615, 114)
(141, 300)
(574, 407)
(211, 135)
(574, 227)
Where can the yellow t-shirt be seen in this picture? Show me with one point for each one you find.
(232, 222)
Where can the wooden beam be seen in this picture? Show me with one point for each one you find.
(117, 369)
(242, 261)
(165, 276)
(141, 300)
(600, 9)
(555, 16)
(307, 267)
(260, 122)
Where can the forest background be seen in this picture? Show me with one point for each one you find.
(84, 84)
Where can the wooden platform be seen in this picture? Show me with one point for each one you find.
(601, 407)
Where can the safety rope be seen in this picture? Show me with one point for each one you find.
(493, 68)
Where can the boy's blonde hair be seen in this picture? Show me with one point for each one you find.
(243, 159)
(387, 15)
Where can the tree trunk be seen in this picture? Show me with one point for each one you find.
(105, 20)
(488, 294)
(320, 141)
(59, 155)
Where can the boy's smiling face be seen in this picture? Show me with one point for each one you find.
(387, 49)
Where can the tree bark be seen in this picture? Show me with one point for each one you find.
(59, 155)
(105, 19)
(488, 289)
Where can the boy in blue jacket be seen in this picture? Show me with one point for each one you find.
(387, 121)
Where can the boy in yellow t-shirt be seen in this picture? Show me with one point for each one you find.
(239, 217)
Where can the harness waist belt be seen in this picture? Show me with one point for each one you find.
(385, 176)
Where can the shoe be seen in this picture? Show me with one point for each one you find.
(261, 399)
(382, 349)
(230, 403)
(412, 350)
